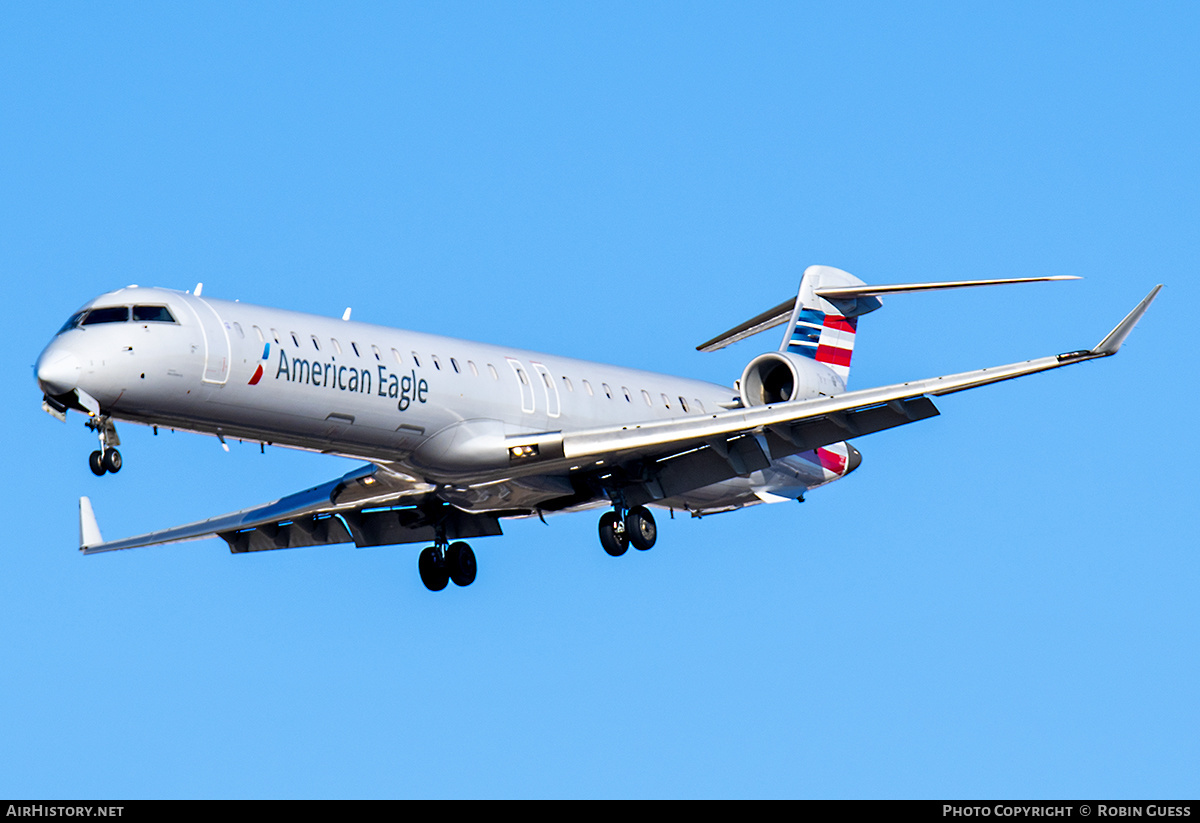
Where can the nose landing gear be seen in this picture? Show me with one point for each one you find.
(106, 458)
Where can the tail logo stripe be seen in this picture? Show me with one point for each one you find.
(833, 356)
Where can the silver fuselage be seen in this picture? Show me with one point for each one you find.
(437, 407)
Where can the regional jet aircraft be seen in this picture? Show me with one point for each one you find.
(458, 436)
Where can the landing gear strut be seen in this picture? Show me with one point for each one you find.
(441, 563)
(636, 527)
(106, 458)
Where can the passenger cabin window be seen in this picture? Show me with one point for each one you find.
(237, 327)
(295, 339)
(316, 343)
(666, 401)
(354, 346)
(628, 396)
(416, 359)
(567, 383)
(113, 314)
(646, 397)
(337, 347)
(454, 364)
(492, 371)
(154, 314)
(375, 351)
(396, 355)
(588, 388)
(607, 390)
(471, 366)
(275, 334)
(258, 333)
(436, 364)
(682, 403)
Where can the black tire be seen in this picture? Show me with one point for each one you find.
(111, 460)
(612, 537)
(640, 528)
(433, 570)
(460, 561)
(96, 463)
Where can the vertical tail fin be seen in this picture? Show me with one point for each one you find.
(820, 329)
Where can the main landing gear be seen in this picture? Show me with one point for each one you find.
(106, 458)
(439, 564)
(636, 527)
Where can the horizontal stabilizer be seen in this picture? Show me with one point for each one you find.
(767, 320)
(851, 301)
(853, 292)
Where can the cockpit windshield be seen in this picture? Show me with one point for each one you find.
(111, 314)
(118, 314)
(72, 322)
(152, 314)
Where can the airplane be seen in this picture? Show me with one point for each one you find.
(457, 436)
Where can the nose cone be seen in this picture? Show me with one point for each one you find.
(853, 459)
(58, 370)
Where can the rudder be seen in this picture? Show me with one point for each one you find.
(820, 329)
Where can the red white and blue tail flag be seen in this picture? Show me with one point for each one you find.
(820, 329)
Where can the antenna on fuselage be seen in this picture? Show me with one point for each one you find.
(346, 314)
(199, 286)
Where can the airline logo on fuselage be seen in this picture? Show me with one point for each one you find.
(405, 389)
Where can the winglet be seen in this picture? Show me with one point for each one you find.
(89, 529)
(1116, 337)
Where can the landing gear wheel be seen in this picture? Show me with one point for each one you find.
(433, 569)
(640, 528)
(111, 460)
(96, 462)
(460, 561)
(612, 534)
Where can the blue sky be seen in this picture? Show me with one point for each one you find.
(1000, 602)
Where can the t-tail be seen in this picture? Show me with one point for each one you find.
(821, 329)
(822, 320)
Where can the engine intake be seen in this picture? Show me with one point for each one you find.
(777, 377)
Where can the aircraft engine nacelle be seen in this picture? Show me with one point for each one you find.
(777, 377)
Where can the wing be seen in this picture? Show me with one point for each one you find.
(372, 506)
(663, 458)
